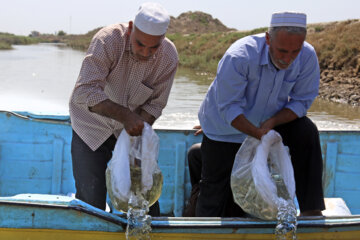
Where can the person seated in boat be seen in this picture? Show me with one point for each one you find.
(263, 82)
(124, 81)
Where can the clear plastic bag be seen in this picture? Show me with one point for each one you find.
(133, 169)
(262, 177)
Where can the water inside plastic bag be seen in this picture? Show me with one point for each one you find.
(139, 223)
(150, 196)
(285, 214)
(244, 192)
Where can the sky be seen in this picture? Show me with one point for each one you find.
(80, 16)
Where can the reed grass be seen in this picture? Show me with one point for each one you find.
(8, 39)
(337, 44)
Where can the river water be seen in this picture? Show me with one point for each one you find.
(39, 79)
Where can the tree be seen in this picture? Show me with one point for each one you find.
(61, 33)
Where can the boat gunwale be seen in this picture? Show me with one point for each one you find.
(303, 222)
(208, 222)
(114, 219)
(65, 119)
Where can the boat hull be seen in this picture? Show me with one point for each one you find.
(35, 159)
(39, 216)
(46, 234)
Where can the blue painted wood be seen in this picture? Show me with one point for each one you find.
(22, 169)
(55, 212)
(29, 151)
(172, 161)
(10, 187)
(348, 163)
(330, 166)
(350, 145)
(345, 181)
(63, 213)
(348, 181)
(31, 156)
(57, 166)
(352, 200)
(35, 158)
(179, 180)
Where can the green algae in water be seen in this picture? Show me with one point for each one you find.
(251, 201)
(150, 196)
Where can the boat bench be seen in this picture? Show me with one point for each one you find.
(336, 207)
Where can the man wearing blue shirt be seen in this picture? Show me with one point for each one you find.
(263, 82)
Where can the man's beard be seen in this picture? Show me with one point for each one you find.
(274, 62)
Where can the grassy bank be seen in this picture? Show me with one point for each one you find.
(202, 52)
(336, 43)
(5, 46)
(8, 39)
(80, 42)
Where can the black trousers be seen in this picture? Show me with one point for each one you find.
(89, 172)
(195, 163)
(302, 138)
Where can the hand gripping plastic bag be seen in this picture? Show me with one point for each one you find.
(133, 169)
(262, 178)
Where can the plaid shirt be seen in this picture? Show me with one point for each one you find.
(109, 71)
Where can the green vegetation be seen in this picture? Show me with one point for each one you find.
(202, 52)
(8, 39)
(80, 42)
(337, 44)
(5, 46)
(199, 18)
(61, 33)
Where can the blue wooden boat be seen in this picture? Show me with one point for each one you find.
(36, 184)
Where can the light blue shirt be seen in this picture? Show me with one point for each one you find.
(248, 83)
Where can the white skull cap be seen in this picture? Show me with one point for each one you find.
(152, 19)
(284, 19)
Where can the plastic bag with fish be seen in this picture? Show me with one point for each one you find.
(133, 169)
(262, 177)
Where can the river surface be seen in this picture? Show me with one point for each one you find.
(39, 79)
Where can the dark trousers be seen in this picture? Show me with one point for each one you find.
(89, 172)
(195, 163)
(301, 136)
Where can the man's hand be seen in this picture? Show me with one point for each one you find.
(133, 124)
(283, 116)
(268, 125)
(245, 126)
(199, 130)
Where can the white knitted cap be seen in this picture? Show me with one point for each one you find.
(152, 19)
(285, 19)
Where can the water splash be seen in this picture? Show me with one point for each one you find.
(287, 222)
(139, 223)
(286, 217)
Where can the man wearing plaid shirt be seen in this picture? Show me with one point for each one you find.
(124, 81)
